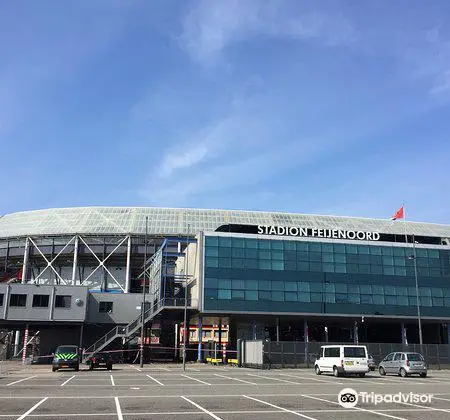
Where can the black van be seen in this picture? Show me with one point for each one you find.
(66, 356)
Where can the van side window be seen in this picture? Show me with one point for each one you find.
(332, 352)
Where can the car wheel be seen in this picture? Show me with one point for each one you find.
(77, 368)
(382, 371)
(317, 369)
(109, 367)
(335, 371)
(423, 375)
(91, 366)
(361, 375)
(54, 369)
(403, 373)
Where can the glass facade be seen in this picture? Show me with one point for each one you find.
(264, 275)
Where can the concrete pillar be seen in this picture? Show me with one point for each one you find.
(75, 260)
(254, 334)
(355, 332)
(25, 261)
(200, 340)
(220, 339)
(128, 268)
(448, 333)
(306, 339)
(278, 330)
(403, 334)
(16, 342)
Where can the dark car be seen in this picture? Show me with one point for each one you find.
(66, 356)
(100, 360)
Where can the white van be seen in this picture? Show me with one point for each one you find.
(342, 359)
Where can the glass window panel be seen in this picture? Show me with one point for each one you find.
(302, 256)
(340, 258)
(212, 251)
(264, 254)
(251, 295)
(264, 295)
(251, 263)
(290, 265)
(364, 268)
(375, 250)
(224, 294)
(339, 248)
(376, 259)
(225, 262)
(353, 298)
(290, 286)
(389, 290)
(251, 253)
(437, 292)
(352, 268)
(302, 246)
(362, 249)
(377, 289)
(264, 285)
(422, 262)
(264, 244)
(386, 250)
(341, 298)
(446, 302)
(278, 296)
(399, 261)
(224, 284)
(278, 285)
(238, 242)
(423, 272)
(353, 288)
(400, 271)
(341, 288)
(340, 268)
(391, 300)
(238, 263)
(401, 290)
(398, 252)
(315, 266)
(290, 256)
(277, 265)
(238, 294)
(329, 287)
(315, 287)
(315, 247)
(211, 293)
(211, 282)
(378, 299)
(327, 248)
(238, 284)
(302, 266)
(303, 297)
(327, 257)
(376, 269)
(412, 301)
(224, 241)
(289, 245)
(316, 297)
(251, 284)
(315, 256)
(277, 255)
(303, 287)
(422, 252)
(212, 262)
(447, 292)
(426, 301)
(212, 241)
(251, 243)
(366, 299)
(388, 260)
(365, 289)
(388, 270)
(438, 301)
(328, 267)
(277, 245)
(412, 291)
(424, 291)
(290, 296)
(433, 253)
(351, 249)
(330, 298)
(264, 265)
(402, 300)
(238, 252)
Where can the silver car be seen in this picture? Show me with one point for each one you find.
(403, 364)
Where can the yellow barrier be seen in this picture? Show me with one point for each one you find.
(233, 361)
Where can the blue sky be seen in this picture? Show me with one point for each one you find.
(304, 106)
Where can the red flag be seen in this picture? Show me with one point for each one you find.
(400, 214)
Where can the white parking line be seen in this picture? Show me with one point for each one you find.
(201, 408)
(112, 381)
(312, 379)
(425, 406)
(68, 380)
(119, 410)
(356, 408)
(275, 379)
(32, 408)
(156, 380)
(195, 379)
(21, 380)
(235, 379)
(134, 367)
(280, 408)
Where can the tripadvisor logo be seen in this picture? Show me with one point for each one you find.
(348, 398)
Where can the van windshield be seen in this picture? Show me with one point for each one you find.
(354, 352)
(66, 349)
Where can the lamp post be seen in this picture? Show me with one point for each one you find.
(419, 318)
(186, 265)
(143, 296)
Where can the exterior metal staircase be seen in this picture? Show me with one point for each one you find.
(129, 331)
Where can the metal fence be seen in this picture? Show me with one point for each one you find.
(293, 354)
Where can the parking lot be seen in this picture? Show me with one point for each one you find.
(205, 392)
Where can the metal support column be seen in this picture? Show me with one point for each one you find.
(220, 347)
(278, 329)
(128, 269)
(75, 261)
(404, 336)
(448, 333)
(25, 260)
(355, 332)
(16, 342)
(254, 335)
(200, 340)
(25, 343)
(306, 340)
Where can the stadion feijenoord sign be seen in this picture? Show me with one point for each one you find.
(318, 233)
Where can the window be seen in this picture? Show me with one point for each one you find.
(1, 299)
(63, 301)
(332, 352)
(105, 307)
(18, 300)
(40, 301)
(398, 356)
(354, 352)
(389, 358)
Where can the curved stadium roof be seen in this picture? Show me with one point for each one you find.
(168, 221)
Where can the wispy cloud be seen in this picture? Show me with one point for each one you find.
(212, 26)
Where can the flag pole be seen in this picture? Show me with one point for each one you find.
(414, 258)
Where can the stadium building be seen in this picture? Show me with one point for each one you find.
(76, 275)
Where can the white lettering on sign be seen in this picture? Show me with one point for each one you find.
(318, 233)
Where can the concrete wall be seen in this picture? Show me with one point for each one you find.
(124, 308)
